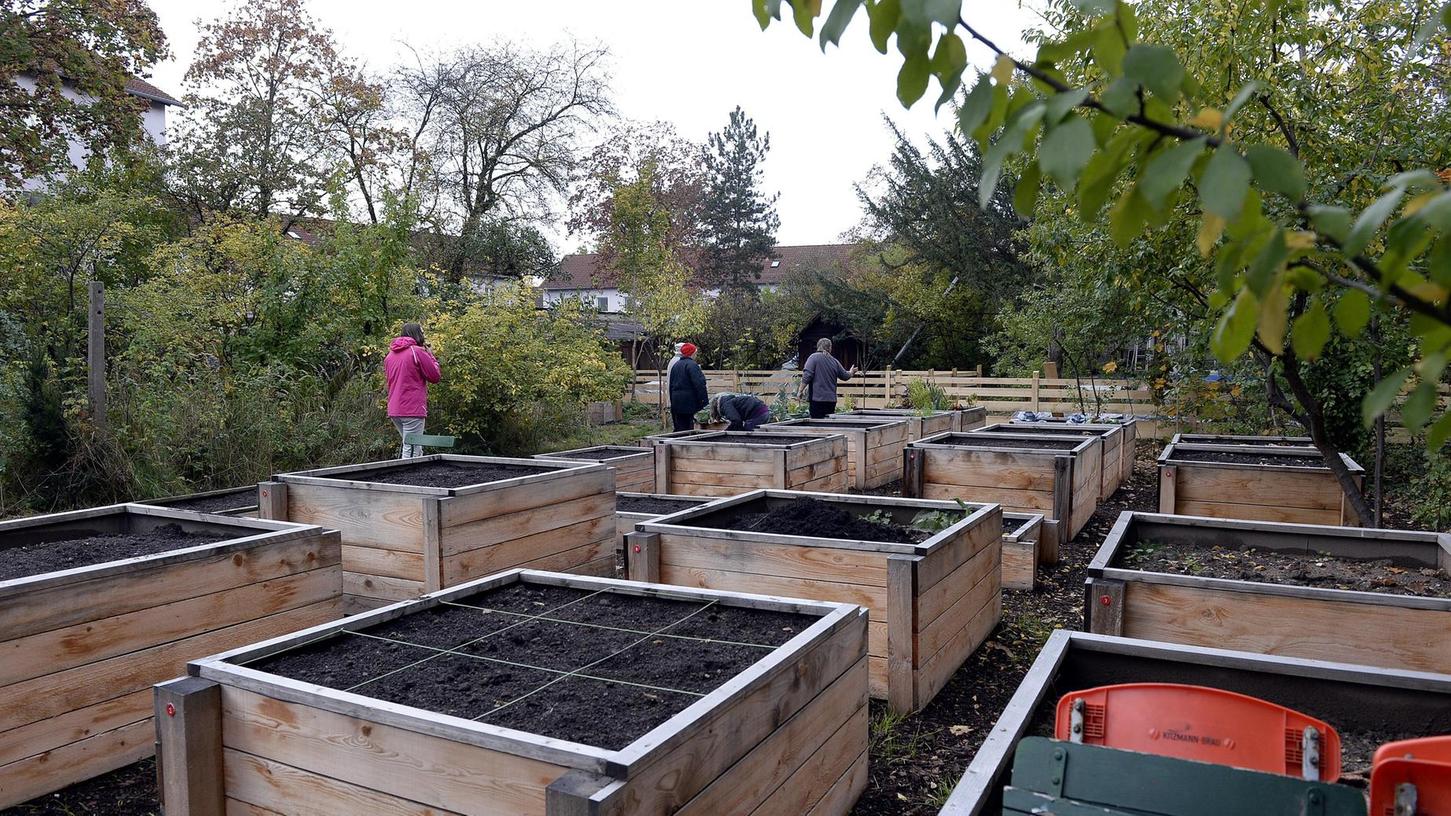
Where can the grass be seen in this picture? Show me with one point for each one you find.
(896, 738)
(628, 432)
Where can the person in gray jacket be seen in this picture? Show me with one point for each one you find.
(819, 378)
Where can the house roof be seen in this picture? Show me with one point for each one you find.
(583, 272)
(145, 90)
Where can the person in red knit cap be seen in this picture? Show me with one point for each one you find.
(687, 389)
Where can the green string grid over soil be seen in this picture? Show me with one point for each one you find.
(1295, 568)
(90, 547)
(444, 474)
(600, 668)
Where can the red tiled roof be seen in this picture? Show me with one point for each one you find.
(583, 272)
(146, 90)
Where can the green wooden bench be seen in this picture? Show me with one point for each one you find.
(429, 440)
(1073, 779)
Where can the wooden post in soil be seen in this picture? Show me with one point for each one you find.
(189, 746)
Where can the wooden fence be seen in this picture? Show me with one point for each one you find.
(1001, 396)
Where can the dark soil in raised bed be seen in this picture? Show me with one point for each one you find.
(1297, 569)
(976, 440)
(444, 474)
(126, 791)
(592, 712)
(234, 500)
(659, 507)
(1247, 458)
(811, 517)
(39, 558)
(546, 675)
(599, 454)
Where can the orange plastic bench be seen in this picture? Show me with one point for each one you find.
(1412, 778)
(1203, 724)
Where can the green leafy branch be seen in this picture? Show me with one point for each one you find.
(1275, 250)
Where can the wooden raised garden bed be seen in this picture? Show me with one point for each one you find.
(98, 605)
(412, 526)
(1128, 436)
(919, 426)
(1265, 482)
(1028, 539)
(532, 693)
(1379, 597)
(634, 469)
(726, 463)
(1367, 706)
(1059, 478)
(934, 597)
(1113, 446)
(1228, 439)
(633, 508)
(873, 445)
(233, 501)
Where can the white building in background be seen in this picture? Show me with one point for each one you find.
(153, 118)
(581, 278)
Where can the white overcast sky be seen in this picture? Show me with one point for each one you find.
(688, 62)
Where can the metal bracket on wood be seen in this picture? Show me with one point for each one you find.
(1310, 754)
(1405, 800)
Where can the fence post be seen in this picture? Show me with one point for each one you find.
(1036, 395)
(887, 388)
(96, 352)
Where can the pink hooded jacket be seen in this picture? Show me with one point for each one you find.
(409, 369)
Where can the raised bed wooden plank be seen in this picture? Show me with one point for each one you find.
(80, 648)
(403, 540)
(871, 441)
(798, 713)
(726, 463)
(1115, 445)
(916, 590)
(1353, 698)
(634, 469)
(1189, 484)
(1063, 483)
(1386, 629)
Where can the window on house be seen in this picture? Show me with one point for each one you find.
(602, 303)
(775, 264)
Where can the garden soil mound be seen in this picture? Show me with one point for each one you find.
(51, 556)
(810, 517)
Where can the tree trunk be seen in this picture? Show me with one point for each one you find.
(1321, 439)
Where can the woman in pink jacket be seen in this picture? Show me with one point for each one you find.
(409, 369)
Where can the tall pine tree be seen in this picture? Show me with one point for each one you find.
(739, 221)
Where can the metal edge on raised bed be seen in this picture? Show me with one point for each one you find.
(672, 523)
(1100, 566)
(221, 668)
(1085, 442)
(267, 531)
(1166, 457)
(555, 470)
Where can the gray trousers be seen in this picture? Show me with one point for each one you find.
(406, 426)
